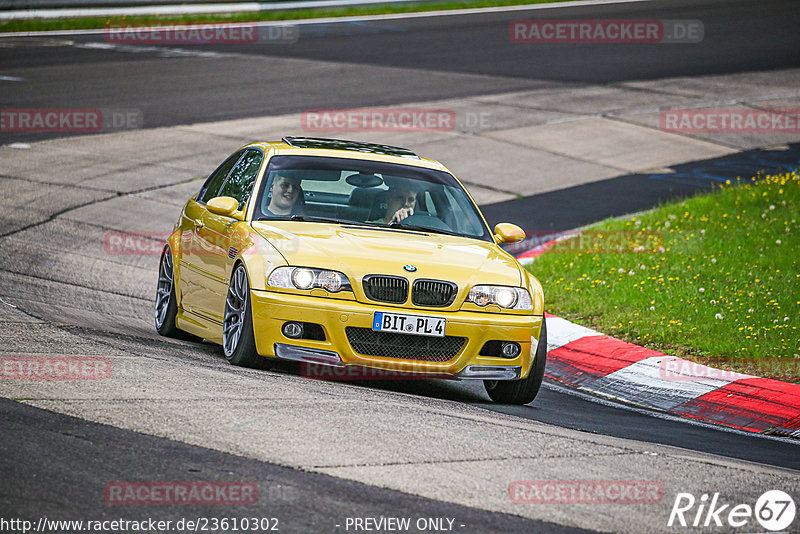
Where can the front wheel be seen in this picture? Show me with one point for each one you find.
(525, 390)
(238, 340)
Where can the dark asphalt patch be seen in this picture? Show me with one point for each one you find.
(585, 204)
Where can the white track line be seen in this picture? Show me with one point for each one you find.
(6, 15)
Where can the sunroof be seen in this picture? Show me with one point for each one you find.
(340, 144)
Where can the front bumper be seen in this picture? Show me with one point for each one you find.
(272, 309)
(332, 359)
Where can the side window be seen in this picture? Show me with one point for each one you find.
(240, 181)
(212, 186)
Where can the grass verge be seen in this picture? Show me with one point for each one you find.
(714, 278)
(40, 24)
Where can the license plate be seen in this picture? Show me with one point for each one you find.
(409, 324)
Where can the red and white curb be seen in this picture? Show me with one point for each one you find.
(588, 360)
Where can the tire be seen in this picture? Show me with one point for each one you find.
(166, 309)
(525, 390)
(238, 340)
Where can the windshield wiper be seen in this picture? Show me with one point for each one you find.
(418, 228)
(307, 218)
(311, 218)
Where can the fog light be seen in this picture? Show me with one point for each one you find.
(292, 330)
(510, 349)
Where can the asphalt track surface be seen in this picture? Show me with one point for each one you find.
(452, 56)
(303, 502)
(740, 36)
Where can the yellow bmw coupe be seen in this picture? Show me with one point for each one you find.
(350, 255)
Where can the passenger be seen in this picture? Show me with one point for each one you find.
(285, 193)
(399, 204)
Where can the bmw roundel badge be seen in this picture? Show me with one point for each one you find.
(409, 268)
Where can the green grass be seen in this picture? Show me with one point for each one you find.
(28, 25)
(714, 278)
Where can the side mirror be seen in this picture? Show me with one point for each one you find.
(508, 233)
(222, 206)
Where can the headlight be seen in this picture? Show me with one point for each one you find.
(510, 298)
(331, 281)
(303, 278)
(306, 278)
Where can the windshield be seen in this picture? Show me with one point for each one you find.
(353, 191)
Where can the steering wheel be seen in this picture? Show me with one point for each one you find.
(426, 220)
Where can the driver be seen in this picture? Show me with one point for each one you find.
(400, 202)
(285, 192)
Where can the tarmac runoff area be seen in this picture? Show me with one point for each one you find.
(64, 292)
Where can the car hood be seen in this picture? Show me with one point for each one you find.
(358, 251)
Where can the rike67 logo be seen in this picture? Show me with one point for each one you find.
(774, 510)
